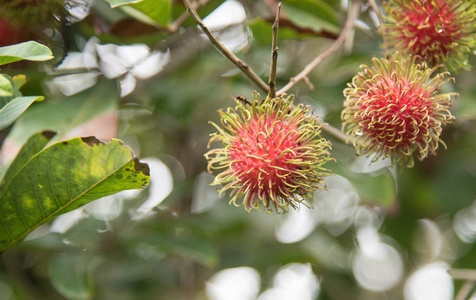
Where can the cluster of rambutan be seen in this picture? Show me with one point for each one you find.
(395, 107)
(272, 151)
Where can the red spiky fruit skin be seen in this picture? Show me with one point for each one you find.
(438, 31)
(272, 154)
(394, 108)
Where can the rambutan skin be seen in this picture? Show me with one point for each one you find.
(440, 32)
(394, 108)
(272, 154)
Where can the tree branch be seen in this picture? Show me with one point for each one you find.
(465, 290)
(467, 274)
(173, 27)
(274, 56)
(232, 57)
(353, 14)
(336, 133)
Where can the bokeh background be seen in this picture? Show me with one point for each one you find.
(144, 73)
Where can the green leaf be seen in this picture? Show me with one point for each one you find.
(262, 32)
(15, 89)
(375, 189)
(116, 3)
(19, 80)
(33, 145)
(72, 275)
(24, 51)
(191, 247)
(6, 88)
(13, 109)
(63, 177)
(314, 14)
(150, 11)
(12, 104)
(74, 110)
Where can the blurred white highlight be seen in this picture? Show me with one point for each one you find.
(431, 281)
(204, 195)
(227, 24)
(241, 283)
(364, 164)
(161, 185)
(337, 205)
(106, 208)
(130, 61)
(293, 281)
(376, 266)
(296, 225)
(430, 243)
(113, 61)
(464, 223)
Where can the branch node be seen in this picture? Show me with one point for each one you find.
(225, 51)
(354, 12)
(274, 55)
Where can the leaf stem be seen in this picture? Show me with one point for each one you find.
(243, 66)
(274, 55)
(353, 14)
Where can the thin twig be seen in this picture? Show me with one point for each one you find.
(353, 14)
(336, 132)
(376, 10)
(274, 56)
(465, 290)
(381, 21)
(174, 26)
(230, 55)
(467, 274)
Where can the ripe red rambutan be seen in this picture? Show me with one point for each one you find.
(439, 31)
(272, 153)
(395, 107)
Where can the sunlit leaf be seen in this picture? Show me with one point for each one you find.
(25, 51)
(6, 88)
(262, 32)
(13, 109)
(150, 11)
(116, 3)
(33, 145)
(19, 80)
(66, 113)
(63, 177)
(4, 99)
(72, 275)
(377, 190)
(314, 14)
